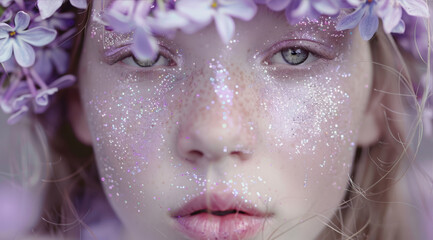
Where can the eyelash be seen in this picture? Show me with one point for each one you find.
(125, 55)
(314, 53)
(131, 60)
(280, 57)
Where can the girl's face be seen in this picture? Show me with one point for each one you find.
(250, 140)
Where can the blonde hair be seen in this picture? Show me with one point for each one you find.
(372, 207)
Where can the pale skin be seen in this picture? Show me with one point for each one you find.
(235, 118)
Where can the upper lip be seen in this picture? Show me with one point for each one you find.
(218, 204)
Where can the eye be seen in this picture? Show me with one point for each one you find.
(160, 60)
(293, 56)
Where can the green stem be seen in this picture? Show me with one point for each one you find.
(2, 10)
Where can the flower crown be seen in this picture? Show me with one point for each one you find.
(35, 35)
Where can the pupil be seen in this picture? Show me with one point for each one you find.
(295, 56)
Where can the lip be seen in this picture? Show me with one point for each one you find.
(219, 216)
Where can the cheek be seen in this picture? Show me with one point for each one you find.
(129, 125)
(312, 131)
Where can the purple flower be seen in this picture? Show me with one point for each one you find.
(18, 41)
(312, 9)
(166, 22)
(54, 58)
(48, 7)
(297, 10)
(366, 17)
(5, 3)
(18, 96)
(202, 12)
(41, 96)
(391, 12)
(126, 16)
(60, 21)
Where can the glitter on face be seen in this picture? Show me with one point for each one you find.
(227, 119)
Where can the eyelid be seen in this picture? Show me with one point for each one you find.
(315, 48)
(113, 56)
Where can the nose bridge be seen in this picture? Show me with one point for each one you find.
(215, 125)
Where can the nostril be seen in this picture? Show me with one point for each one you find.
(236, 153)
(243, 155)
(195, 154)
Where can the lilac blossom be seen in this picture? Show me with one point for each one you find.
(131, 16)
(5, 3)
(48, 7)
(20, 94)
(54, 58)
(60, 21)
(297, 10)
(365, 16)
(311, 9)
(9, 12)
(201, 12)
(18, 40)
(391, 13)
(166, 22)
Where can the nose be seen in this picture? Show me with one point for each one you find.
(215, 129)
(207, 139)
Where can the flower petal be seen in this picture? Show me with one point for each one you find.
(5, 3)
(38, 36)
(119, 16)
(242, 9)
(9, 66)
(63, 82)
(4, 30)
(20, 101)
(350, 21)
(119, 23)
(417, 8)
(278, 5)
(369, 24)
(14, 118)
(5, 50)
(400, 28)
(300, 11)
(41, 98)
(199, 11)
(22, 21)
(60, 59)
(392, 19)
(48, 7)
(225, 26)
(144, 46)
(82, 4)
(166, 21)
(24, 53)
(326, 7)
(7, 15)
(43, 66)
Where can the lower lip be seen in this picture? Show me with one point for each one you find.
(231, 226)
